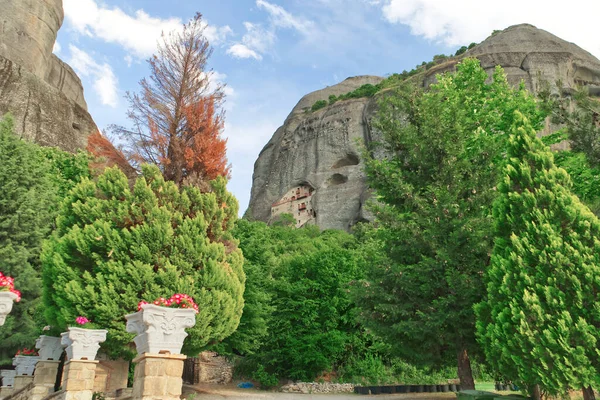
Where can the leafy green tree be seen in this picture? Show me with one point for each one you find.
(434, 187)
(298, 319)
(27, 198)
(539, 320)
(115, 246)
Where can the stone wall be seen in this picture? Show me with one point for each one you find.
(213, 368)
(313, 387)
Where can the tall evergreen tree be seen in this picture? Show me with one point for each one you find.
(115, 246)
(540, 318)
(435, 185)
(27, 198)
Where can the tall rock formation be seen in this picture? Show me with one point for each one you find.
(320, 151)
(42, 92)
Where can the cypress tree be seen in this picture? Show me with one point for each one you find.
(27, 198)
(539, 321)
(115, 246)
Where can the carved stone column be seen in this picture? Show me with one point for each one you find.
(80, 370)
(6, 304)
(159, 364)
(25, 365)
(8, 382)
(44, 378)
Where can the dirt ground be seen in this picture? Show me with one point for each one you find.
(230, 392)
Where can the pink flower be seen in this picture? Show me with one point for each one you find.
(82, 320)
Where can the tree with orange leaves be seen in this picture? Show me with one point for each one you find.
(106, 155)
(177, 116)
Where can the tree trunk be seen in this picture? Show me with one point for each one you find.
(536, 393)
(465, 374)
(588, 393)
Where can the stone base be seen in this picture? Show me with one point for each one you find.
(21, 381)
(44, 379)
(158, 376)
(111, 376)
(6, 391)
(78, 379)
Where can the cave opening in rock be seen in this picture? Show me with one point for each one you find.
(348, 159)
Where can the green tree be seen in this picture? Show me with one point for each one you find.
(298, 319)
(539, 320)
(115, 246)
(434, 185)
(27, 198)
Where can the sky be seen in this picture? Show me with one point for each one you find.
(270, 53)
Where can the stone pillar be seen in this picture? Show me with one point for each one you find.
(8, 377)
(44, 379)
(158, 376)
(5, 391)
(78, 379)
(21, 381)
(111, 375)
(79, 372)
(159, 366)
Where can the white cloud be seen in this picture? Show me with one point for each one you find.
(217, 34)
(105, 82)
(57, 48)
(239, 50)
(259, 39)
(461, 22)
(128, 59)
(281, 18)
(137, 33)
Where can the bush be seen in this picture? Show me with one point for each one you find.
(115, 246)
(265, 379)
(318, 105)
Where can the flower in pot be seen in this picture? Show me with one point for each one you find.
(25, 361)
(83, 342)
(8, 295)
(160, 326)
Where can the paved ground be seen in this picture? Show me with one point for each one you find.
(217, 392)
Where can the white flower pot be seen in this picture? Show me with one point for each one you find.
(82, 344)
(6, 304)
(160, 330)
(25, 365)
(49, 347)
(8, 377)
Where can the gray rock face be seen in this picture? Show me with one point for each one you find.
(42, 92)
(320, 148)
(531, 54)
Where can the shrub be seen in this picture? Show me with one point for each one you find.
(318, 105)
(115, 246)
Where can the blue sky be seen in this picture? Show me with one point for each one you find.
(272, 52)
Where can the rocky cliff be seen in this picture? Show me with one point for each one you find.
(321, 149)
(42, 92)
